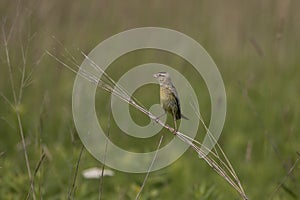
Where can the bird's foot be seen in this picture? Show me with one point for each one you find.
(174, 131)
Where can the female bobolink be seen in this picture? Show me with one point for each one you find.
(168, 96)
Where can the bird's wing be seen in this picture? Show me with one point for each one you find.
(178, 113)
(175, 95)
(174, 91)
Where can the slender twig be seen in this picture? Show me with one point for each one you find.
(227, 165)
(23, 75)
(73, 59)
(150, 168)
(111, 81)
(28, 79)
(17, 101)
(7, 100)
(286, 176)
(73, 186)
(42, 158)
(8, 123)
(12, 84)
(106, 149)
(121, 93)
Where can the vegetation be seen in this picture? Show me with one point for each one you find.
(254, 44)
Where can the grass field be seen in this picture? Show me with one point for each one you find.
(254, 44)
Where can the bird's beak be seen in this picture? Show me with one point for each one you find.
(155, 75)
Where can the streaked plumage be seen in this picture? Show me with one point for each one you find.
(170, 101)
(168, 95)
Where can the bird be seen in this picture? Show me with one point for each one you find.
(169, 99)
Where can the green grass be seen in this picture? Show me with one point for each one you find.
(254, 44)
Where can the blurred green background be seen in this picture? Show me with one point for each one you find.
(255, 44)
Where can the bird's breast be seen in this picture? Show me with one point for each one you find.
(167, 99)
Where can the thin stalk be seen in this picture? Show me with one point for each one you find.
(73, 186)
(150, 168)
(106, 149)
(121, 93)
(16, 106)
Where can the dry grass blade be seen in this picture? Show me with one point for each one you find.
(17, 101)
(225, 163)
(73, 186)
(7, 100)
(286, 177)
(106, 146)
(222, 167)
(42, 158)
(150, 168)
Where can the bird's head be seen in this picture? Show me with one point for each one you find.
(162, 77)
